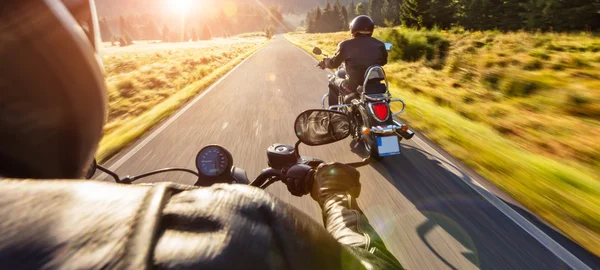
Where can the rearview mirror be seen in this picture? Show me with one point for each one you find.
(388, 46)
(91, 170)
(317, 51)
(318, 127)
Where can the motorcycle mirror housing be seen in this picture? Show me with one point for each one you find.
(91, 170)
(388, 46)
(317, 51)
(319, 127)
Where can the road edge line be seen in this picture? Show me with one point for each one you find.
(554, 247)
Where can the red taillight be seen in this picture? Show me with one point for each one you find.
(381, 111)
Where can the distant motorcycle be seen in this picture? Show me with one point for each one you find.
(371, 120)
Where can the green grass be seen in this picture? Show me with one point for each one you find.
(145, 87)
(521, 109)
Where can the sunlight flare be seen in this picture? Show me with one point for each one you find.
(179, 6)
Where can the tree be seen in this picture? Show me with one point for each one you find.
(165, 33)
(310, 21)
(122, 42)
(360, 9)
(194, 34)
(441, 13)
(409, 14)
(344, 18)
(318, 21)
(339, 20)
(150, 31)
(206, 33)
(128, 39)
(270, 31)
(391, 12)
(351, 11)
(105, 32)
(375, 7)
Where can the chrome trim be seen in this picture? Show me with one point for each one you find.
(383, 97)
(386, 130)
(323, 100)
(370, 105)
(337, 107)
(403, 106)
(367, 75)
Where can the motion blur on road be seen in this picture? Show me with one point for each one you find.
(422, 203)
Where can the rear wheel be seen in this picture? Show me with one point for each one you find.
(371, 146)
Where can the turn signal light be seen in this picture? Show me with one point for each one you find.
(404, 128)
(381, 111)
(366, 131)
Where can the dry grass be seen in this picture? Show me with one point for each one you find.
(145, 87)
(522, 109)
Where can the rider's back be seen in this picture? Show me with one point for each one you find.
(360, 53)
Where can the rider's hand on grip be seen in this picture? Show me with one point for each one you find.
(333, 179)
(322, 64)
(299, 179)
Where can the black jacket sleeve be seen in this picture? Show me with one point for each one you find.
(96, 225)
(384, 53)
(338, 58)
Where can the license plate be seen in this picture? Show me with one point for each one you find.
(388, 146)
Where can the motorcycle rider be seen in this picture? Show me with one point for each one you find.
(359, 53)
(52, 110)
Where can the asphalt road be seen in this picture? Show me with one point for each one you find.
(420, 202)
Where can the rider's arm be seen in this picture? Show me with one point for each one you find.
(338, 58)
(384, 58)
(336, 188)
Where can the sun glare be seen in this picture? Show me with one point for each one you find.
(179, 6)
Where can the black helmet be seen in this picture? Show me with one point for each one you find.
(52, 90)
(362, 25)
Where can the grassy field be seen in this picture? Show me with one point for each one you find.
(147, 82)
(520, 108)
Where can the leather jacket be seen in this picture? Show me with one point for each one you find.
(359, 54)
(92, 225)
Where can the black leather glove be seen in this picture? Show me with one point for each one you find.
(336, 188)
(332, 179)
(323, 63)
(299, 179)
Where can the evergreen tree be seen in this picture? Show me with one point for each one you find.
(194, 34)
(318, 21)
(344, 19)
(409, 14)
(351, 11)
(391, 12)
(360, 9)
(441, 13)
(309, 22)
(165, 33)
(340, 19)
(329, 19)
(375, 7)
(206, 33)
(105, 32)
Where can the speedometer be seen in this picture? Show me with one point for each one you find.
(213, 160)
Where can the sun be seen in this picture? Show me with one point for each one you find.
(179, 6)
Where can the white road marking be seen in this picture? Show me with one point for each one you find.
(141, 145)
(547, 241)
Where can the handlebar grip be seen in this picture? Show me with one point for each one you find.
(300, 178)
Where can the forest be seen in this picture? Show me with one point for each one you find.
(506, 15)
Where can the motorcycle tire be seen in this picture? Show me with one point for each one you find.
(370, 144)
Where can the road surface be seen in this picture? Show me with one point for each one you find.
(424, 207)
